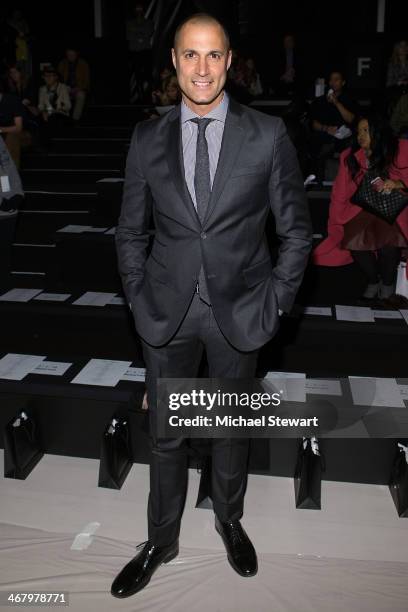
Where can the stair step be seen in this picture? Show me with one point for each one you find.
(78, 161)
(57, 176)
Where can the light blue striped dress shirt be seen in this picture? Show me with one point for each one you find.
(213, 134)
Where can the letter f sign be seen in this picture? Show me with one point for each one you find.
(363, 63)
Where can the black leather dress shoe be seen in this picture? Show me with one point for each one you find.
(240, 550)
(137, 573)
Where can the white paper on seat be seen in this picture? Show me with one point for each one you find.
(323, 387)
(405, 315)
(318, 310)
(94, 298)
(369, 391)
(74, 229)
(104, 372)
(111, 180)
(14, 366)
(135, 374)
(117, 300)
(404, 392)
(53, 297)
(96, 229)
(19, 295)
(362, 314)
(387, 314)
(291, 385)
(111, 230)
(51, 368)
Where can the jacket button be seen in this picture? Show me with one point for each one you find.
(203, 235)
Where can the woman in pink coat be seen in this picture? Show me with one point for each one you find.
(355, 234)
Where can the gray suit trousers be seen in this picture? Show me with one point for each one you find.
(180, 358)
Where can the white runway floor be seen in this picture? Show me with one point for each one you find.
(350, 556)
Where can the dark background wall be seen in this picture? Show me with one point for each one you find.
(327, 33)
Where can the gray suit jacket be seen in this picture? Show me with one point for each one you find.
(257, 171)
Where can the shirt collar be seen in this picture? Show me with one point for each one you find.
(219, 112)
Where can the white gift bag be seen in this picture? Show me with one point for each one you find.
(402, 281)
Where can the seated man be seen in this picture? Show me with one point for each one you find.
(75, 74)
(328, 113)
(20, 85)
(11, 124)
(54, 104)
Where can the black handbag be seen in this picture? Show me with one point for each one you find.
(22, 447)
(308, 476)
(386, 206)
(398, 484)
(116, 454)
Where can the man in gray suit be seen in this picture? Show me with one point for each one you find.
(209, 171)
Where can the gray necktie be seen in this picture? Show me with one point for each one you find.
(202, 188)
(202, 182)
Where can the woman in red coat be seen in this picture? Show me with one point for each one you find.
(355, 234)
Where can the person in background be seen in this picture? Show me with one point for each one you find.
(54, 104)
(396, 83)
(399, 117)
(19, 25)
(254, 84)
(235, 57)
(289, 73)
(354, 234)
(328, 113)
(287, 78)
(139, 32)
(11, 197)
(19, 84)
(397, 72)
(11, 123)
(7, 42)
(295, 116)
(170, 93)
(74, 71)
(165, 72)
(238, 78)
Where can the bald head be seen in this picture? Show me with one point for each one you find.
(201, 57)
(203, 19)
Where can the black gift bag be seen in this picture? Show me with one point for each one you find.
(308, 475)
(22, 446)
(399, 481)
(116, 454)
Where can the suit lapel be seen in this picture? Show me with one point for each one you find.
(174, 154)
(232, 139)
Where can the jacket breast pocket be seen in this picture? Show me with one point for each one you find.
(248, 169)
(258, 272)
